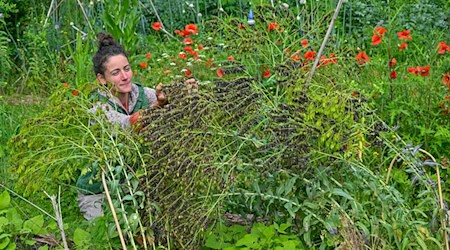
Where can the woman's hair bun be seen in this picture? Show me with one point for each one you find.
(105, 39)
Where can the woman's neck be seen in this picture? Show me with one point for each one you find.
(124, 99)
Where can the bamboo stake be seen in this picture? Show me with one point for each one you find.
(322, 47)
(111, 206)
(49, 12)
(441, 200)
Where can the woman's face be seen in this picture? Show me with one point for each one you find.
(118, 72)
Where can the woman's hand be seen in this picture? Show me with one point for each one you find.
(161, 98)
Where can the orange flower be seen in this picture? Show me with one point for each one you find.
(378, 35)
(188, 41)
(304, 43)
(310, 55)
(219, 72)
(230, 58)
(273, 26)
(187, 72)
(424, 71)
(156, 26)
(362, 58)
(147, 56)
(75, 93)
(404, 35)
(66, 85)
(446, 80)
(403, 46)
(442, 47)
(393, 74)
(392, 62)
(143, 65)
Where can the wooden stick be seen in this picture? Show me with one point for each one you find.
(49, 12)
(85, 16)
(325, 40)
(58, 219)
(441, 200)
(111, 206)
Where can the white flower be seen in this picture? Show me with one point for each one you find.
(159, 59)
(191, 5)
(302, 1)
(285, 5)
(172, 64)
(221, 9)
(165, 55)
(91, 3)
(1, 15)
(188, 64)
(298, 17)
(199, 15)
(71, 23)
(209, 38)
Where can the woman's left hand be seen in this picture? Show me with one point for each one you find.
(161, 98)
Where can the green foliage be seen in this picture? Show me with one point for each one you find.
(16, 232)
(260, 237)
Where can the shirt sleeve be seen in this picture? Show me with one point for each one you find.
(151, 95)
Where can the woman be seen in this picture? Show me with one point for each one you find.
(121, 104)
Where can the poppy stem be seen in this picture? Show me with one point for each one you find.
(322, 47)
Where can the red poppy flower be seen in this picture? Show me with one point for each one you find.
(185, 33)
(191, 28)
(75, 92)
(147, 56)
(182, 55)
(200, 47)
(444, 112)
(143, 65)
(324, 61)
(393, 74)
(241, 27)
(66, 85)
(188, 48)
(304, 43)
(266, 72)
(209, 63)
(310, 55)
(188, 41)
(355, 93)
(230, 58)
(392, 62)
(446, 80)
(187, 72)
(296, 56)
(424, 71)
(156, 26)
(333, 58)
(378, 35)
(447, 98)
(404, 35)
(413, 70)
(273, 26)
(441, 105)
(177, 32)
(219, 72)
(362, 58)
(403, 46)
(442, 47)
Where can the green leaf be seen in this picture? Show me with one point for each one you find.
(5, 200)
(340, 192)
(3, 221)
(289, 245)
(306, 222)
(248, 240)
(212, 242)
(81, 237)
(44, 247)
(34, 224)
(4, 240)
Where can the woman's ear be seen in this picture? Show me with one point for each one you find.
(101, 79)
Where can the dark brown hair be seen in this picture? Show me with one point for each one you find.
(107, 47)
